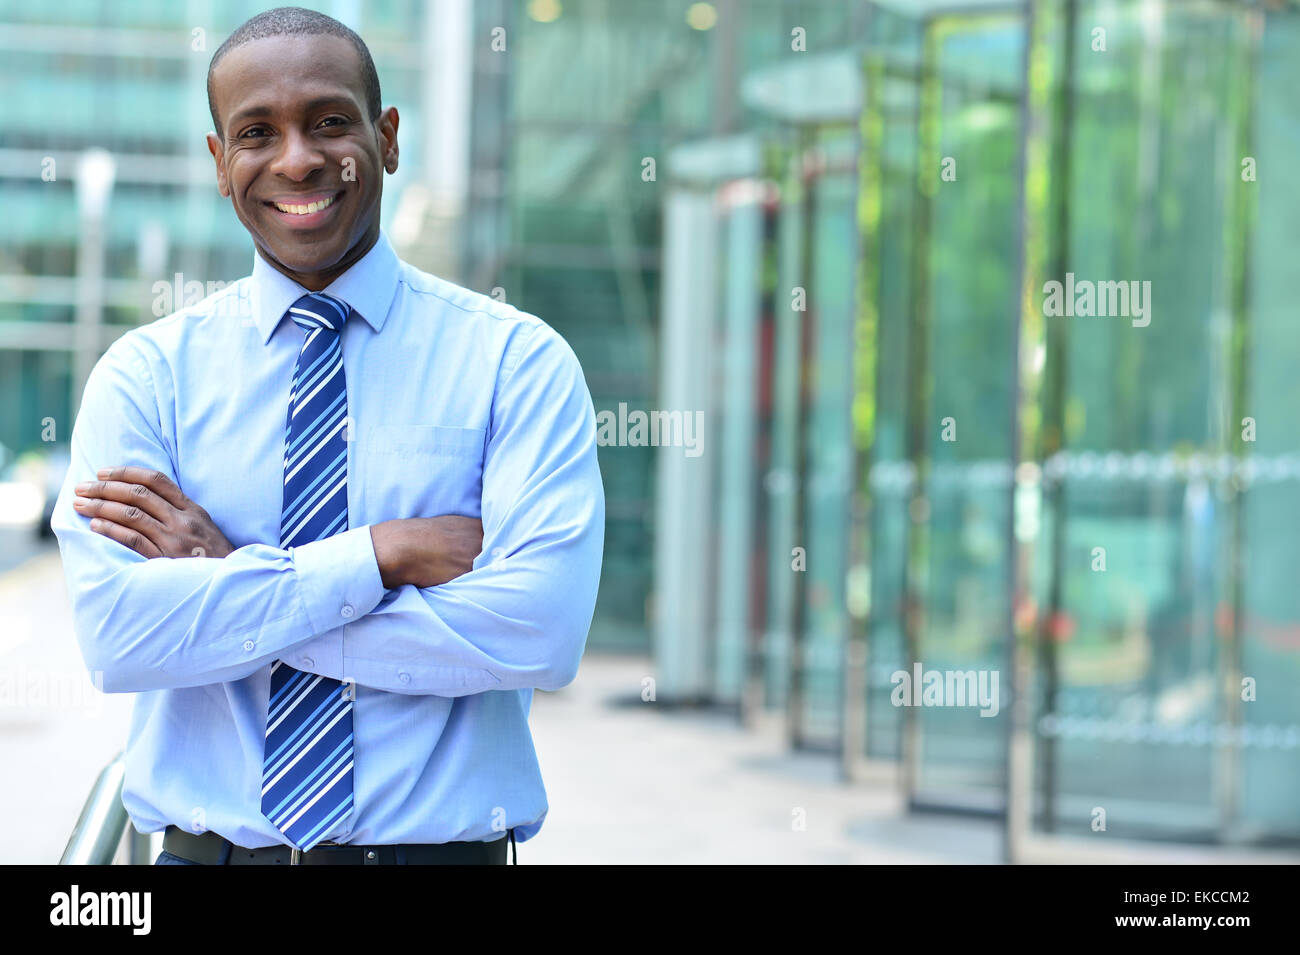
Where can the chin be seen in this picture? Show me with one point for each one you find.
(307, 255)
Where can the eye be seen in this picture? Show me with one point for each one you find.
(252, 129)
(336, 121)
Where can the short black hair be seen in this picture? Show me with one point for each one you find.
(296, 21)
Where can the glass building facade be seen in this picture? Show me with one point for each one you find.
(952, 473)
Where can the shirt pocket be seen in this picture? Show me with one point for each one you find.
(422, 470)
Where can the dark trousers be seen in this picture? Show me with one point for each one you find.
(166, 858)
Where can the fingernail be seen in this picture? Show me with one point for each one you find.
(80, 502)
(83, 487)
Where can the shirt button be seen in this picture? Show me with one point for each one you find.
(248, 644)
(347, 610)
(404, 677)
(308, 662)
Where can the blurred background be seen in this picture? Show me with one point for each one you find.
(822, 229)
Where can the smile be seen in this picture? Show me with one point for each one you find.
(304, 210)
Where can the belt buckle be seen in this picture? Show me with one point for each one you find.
(295, 854)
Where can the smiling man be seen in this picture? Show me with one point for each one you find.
(335, 523)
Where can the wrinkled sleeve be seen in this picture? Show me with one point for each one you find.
(520, 617)
(160, 623)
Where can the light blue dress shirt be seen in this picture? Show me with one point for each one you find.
(457, 404)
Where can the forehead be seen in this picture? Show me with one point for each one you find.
(280, 71)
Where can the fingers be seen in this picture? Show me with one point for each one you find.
(157, 482)
(128, 515)
(126, 535)
(137, 495)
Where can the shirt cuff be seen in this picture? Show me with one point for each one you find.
(338, 578)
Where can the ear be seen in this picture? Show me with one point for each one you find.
(218, 156)
(387, 126)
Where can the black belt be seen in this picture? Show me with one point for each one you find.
(208, 848)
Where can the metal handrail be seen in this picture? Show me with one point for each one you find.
(103, 821)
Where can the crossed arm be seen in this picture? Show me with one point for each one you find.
(145, 511)
(162, 599)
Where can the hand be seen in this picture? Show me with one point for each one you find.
(147, 512)
(426, 551)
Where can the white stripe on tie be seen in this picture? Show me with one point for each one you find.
(343, 772)
(305, 401)
(322, 503)
(306, 793)
(298, 699)
(304, 750)
(298, 467)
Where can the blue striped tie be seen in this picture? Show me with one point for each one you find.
(307, 766)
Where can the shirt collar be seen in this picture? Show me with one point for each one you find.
(368, 286)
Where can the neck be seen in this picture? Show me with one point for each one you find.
(318, 281)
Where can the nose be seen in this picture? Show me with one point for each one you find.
(298, 156)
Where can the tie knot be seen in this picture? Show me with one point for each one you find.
(318, 310)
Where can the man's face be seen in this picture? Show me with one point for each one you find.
(298, 155)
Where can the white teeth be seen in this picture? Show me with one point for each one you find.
(304, 210)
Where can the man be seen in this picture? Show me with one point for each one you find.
(336, 522)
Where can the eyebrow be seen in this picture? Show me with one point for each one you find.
(253, 112)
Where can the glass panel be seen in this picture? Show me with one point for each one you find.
(780, 481)
(1150, 541)
(736, 442)
(970, 128)
(827, 434)
(890, 174)
(1266, 781)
